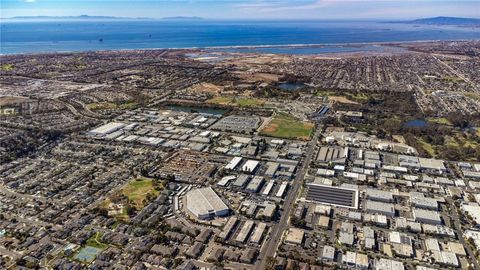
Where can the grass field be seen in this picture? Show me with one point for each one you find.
(324, 93)
(343, 97)
(288, 127)
(94, 241)
(452, 79)
(102, 106)
(240, 102)
(471, 95)
(459, 140)
(6, 67)
(137, 191)
(427, 147)
(440, 120)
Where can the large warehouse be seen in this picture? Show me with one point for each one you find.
(204, 203)
(331, 195)
(106, 129)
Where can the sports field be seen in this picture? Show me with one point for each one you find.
(87, 254)
(138, 189)
(288, 127)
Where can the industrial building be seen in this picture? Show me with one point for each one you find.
(238, 124)
(245, 231)
(268, 188)
(228, 228)
(250, 166)
(204, 203)
(432, 165)
(419, 200)
(474, 212)
(328, 253)
(241, 181)
(294, 236)
(106, 129)
(387, 264)
(426, 216)
(379, 195)
(332, 154)
(375, 207)
(337, 196)
(258, 233)
(272, 168)
(256, 184)
(445, 258)
(281, 190)
(232, 165)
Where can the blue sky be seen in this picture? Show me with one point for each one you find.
(246, 9)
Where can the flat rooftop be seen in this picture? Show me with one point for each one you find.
(331, 195)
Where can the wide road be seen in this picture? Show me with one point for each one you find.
(459, 231)
(273, 241)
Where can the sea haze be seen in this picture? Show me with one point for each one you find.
(52, 36)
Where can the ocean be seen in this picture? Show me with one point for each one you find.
(60, 36)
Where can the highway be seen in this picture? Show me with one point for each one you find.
(272, 242)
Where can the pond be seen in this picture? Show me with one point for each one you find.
(291, 86)
(416, 123)
(205, 110)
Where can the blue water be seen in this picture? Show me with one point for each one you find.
(291, 86)
(310, 49)
(416, 123)
(48, 36)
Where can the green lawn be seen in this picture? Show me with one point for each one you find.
(94, 241)
(440, 120)
(6, 67)
(324, 93)
(137, 191)
(102, 106)
(234, 101)
(249, 102)
(452, 79)
(427, 147)
(91, 249)
(128, 105)
(288, 127)
(473, 95)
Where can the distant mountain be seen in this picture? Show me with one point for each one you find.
(81, 17)
(443, 21)
(183, 18)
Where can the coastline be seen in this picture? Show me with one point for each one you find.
(266, 46)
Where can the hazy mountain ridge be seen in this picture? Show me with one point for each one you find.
(81, 17)
(191, 18)
(443, 21)
(88, 17)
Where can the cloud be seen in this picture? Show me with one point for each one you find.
(30, 1)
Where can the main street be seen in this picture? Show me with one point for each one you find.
(459, 231)
(272, 243)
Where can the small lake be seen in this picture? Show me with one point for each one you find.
(205, 110)
(291, 86)
(416, 123)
